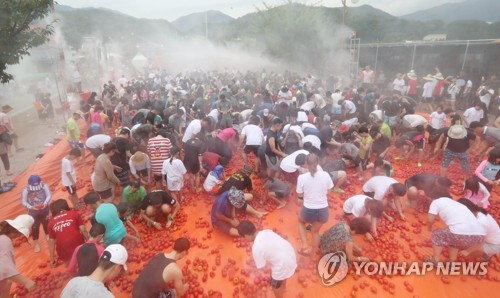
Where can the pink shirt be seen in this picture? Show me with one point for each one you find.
(73, 264)
(227, 134)
(96, 118)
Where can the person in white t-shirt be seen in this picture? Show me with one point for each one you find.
(462, 232)
(312, 190)
(195, 128)
(491, 245)
(364, 206)
(272, 249)
(314, 140)
(291, 164)
(437, 118)
(173, 170)
(413, 120)
(68, 175)
(383, 188)
(475, 113)
(253, 137)
(398, 84)
(95, 143)
(284, 95)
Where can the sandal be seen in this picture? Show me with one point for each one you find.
(304, 252)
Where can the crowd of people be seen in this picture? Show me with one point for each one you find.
(154, 138)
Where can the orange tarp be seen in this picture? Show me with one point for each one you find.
(234, 274)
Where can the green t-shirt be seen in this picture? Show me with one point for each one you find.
(72, 126)
(385, 129)
(133, 199)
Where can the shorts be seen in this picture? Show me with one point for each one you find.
(105, 194)
(76, 144)
(167, 294)
(491, 249)
(463, 157)
(444, 237)
(314, 215)
(251, 148)
(276, 284)
(273, 166)
(159, 178)
(71, 189)
(291, 177)
(222, 226)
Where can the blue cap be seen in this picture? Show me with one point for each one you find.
(34, 179)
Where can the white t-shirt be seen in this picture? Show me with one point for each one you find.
(437, 120)
(295, 128)
(288, 163)
(245, 114)
(491, 228)
(271, 248)
(192, 130)
(285, 97)
(456, 216)
(349, 107)
(486, 98)
(428, 89)
(471, 114)
(350, 122)
(83, 287)
(377, 114)
(67, 166)
(210, 182)
(97, 141)
(314, 189)
(356, 205)
(214, 114)
(308, 105)
(380, 185)
(302, 117)
(254, 135)
(315, 141)
(368, 76)
(307, 124)
(398, 84)
(415, 120)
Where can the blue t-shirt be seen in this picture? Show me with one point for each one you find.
(107, 215)
(222, 206)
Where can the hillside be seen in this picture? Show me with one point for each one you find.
(111, 25)
(482, 10)
(194, 24)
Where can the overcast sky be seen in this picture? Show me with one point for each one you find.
(172, 9)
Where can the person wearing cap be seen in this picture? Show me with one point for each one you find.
(161, 271)
(104, 179)
(73, 132)
(214, 179)
(457, 143)
(270, 248)
(36, 198)
(224, 211)
(11, 229)
(6, 122)
(111, 264)
(140, 167)
(107, 215)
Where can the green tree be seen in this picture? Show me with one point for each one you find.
(20, 30)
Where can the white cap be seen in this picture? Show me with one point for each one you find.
(117, 255)
(22, 223)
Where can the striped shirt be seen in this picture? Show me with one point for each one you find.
(158, 150)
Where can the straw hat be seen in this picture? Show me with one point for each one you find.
(428, 77)
(22, 223)
(236, 197)
(139, 157)
(439, 76)
(7, 108)
(412, 75)
(457, 132)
